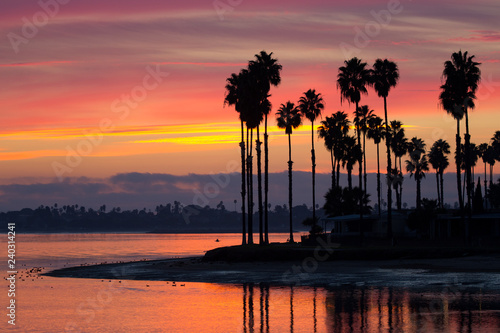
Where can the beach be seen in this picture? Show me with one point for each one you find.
(477, 271)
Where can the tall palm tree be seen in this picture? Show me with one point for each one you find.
(252, 105)
(385, 75)
(233, 91)
(417, 165)
(462, 77)
(288, 117)
(439, 162)
(269, 72)
(376, 133)
(361, 117)
(311, 105)
(352, 81)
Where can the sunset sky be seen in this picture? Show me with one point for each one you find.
(92, 89)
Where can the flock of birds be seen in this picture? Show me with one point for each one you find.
(36, 273)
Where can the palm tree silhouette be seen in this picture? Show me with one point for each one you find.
(385, 75)
(252, 108)
(268, 71)
(233, 93)
(485, 154)
(333, 130)
(472, 156)
(288, 118)
(439, 162)
(417, 165)
(462, 77)
(376, 133)
(399, 145)
(352, 80)
(352, 152)
(311, 105)
(361, 117)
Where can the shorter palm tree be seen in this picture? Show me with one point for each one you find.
(399, 145)
(288, 118)
(310, 106)
(334, 130)
(361, 117)
(352, 153)
(376, 133)
(439, 161)
(417, 165)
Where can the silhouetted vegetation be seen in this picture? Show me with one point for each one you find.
(166, 218)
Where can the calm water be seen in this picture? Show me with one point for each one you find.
(81, 305)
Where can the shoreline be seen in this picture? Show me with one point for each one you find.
(472, 271)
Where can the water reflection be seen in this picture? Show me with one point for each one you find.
(359, 309)
(400, 310)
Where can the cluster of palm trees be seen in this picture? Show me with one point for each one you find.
(249, 92)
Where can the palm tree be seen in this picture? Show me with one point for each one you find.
(269, 72)
(311, 105)
(333, 130)
(462, 77)
(399, 145)
(326, 132)
(495, 144)
(439, 161)
(489, 157)
(352, 80)
(376, 133)
(232, 98)
(361, 117)
(385, 75)
(484, 151)
(252, 107)
(352, 151)
(288, 117)
(417, 165)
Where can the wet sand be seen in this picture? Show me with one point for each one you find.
(478, 271)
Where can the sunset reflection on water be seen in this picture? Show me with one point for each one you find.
(49, 304)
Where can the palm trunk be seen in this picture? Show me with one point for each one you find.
(378, 181)
(250, 189)
(468, 171)
(419, 200)
(389, 167)
(313, 161)
(266, 183)
(243, 189)
(365, 177)
(360, 172)
(333, 168)
(485, 188)
(338, 172)
(437, 184)
(442, 188)
(259, 186)
(349, 178)
(400, 198)
(458, 161)
(290, 163)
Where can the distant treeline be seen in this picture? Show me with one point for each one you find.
(166, 218)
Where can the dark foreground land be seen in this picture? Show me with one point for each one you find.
(286, 264)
